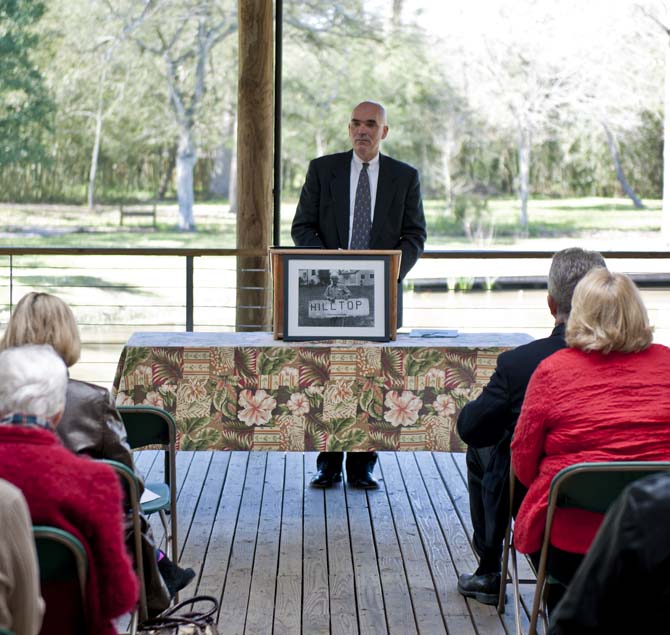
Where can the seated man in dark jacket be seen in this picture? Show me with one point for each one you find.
(623, 584)
(487, 423)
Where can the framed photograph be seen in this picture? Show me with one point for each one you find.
(338, 294)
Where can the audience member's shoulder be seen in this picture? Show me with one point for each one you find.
(84, 390)
(9, 494)
(539, 348)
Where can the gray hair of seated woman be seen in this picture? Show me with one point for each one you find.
(33, 381)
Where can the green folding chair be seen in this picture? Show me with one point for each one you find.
(132, 487)
(61, 558)
(150, 426)
(6, 631)
(588, 486)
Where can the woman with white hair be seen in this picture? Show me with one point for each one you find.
(605, 398)
(91, 425)
(62, 489)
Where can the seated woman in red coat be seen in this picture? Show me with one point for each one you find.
(62, 489)
(605, 398)
(92, 425)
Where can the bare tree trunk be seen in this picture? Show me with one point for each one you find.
(396, 18)
(95, 152)
(167, 175)
(186, 157)
(318, 141)
(614, 151)
(665, 208)
(524, 173)
(446, 172)
(219, 184)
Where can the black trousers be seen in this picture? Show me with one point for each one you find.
(489, 513)
(476, 460)
(358, 463)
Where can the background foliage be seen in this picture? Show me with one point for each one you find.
(457, 98)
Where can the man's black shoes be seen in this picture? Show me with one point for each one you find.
(484, 588)
(362, 481)
(324, 478)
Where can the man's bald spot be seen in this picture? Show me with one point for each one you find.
(377, 105)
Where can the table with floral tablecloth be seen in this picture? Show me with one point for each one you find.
(247, 391)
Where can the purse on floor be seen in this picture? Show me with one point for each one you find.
(177, 621)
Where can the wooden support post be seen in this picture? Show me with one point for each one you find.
(254, 163)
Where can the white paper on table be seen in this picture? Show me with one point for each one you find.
(433, 333)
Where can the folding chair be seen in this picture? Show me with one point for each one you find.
(6, 631)
(510, 552)
(150, 426)
(132, 487)
(61, 558)
(588, 486)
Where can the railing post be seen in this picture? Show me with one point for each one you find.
(11, 284)
(189, 294)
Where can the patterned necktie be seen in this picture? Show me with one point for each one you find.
(360, 229)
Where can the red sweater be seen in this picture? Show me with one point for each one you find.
(586, 407)
(83, 497)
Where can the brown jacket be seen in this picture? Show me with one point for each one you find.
(91, 425)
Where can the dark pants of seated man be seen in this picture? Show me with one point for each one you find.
(488, 512)
(358, 463)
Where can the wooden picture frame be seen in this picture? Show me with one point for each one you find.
(335, 294)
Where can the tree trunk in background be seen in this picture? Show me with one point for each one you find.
(220, 180)
(99, 115)
(665, 213)
(446, 172)
(396, 18)
(254, 155)
(619, 170)
(524, 174)
(167, 175)
(186, 157)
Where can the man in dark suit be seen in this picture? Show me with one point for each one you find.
(487, 424)
(361, 199)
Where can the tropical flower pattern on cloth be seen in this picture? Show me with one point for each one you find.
(345, 396)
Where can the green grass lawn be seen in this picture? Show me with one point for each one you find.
(75, 226)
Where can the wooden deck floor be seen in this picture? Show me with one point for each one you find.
(284, 558)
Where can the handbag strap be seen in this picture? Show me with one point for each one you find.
(190, 602)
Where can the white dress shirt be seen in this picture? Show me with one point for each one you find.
(354, 173)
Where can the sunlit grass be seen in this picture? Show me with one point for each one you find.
(76, 226)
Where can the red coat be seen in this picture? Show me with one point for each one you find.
(586, 407)
(83, 497)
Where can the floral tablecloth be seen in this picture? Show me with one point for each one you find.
(246, 391)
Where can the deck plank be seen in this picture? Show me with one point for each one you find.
(235, 599)
(315, 592)
(288, 595)
(260, 614)
(397, 599)
(341, 579)
(214, 568)
(422, 589)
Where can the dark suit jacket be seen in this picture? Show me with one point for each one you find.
(489, 420)
(486, 420)
(322, 217)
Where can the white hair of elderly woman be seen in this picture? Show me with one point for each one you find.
(33, 381)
